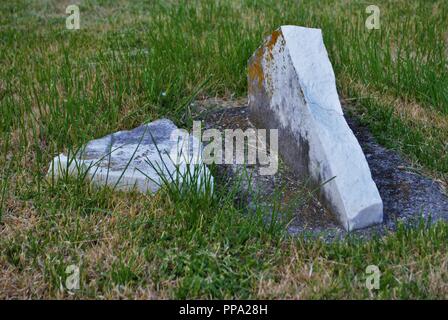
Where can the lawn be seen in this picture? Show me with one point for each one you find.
(134, 61)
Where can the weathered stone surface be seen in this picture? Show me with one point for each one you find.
(292, 89)
(139, 158)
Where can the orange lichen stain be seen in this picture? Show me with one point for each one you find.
(269, 57)
(272, 41)
(255, 67)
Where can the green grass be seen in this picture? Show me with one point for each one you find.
(134, 61)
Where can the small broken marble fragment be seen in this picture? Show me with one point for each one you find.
(142, 159)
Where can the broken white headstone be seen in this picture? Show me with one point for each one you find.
(292, 88)
(143, 159)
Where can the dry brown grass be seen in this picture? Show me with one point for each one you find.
(407, 110)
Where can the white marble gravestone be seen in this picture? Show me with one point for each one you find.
(292, 88)
(142, 159)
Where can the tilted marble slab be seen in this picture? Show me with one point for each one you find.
(292, 88)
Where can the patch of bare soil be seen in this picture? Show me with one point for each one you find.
(408, 196)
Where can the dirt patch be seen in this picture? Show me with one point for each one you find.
(407, 195)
